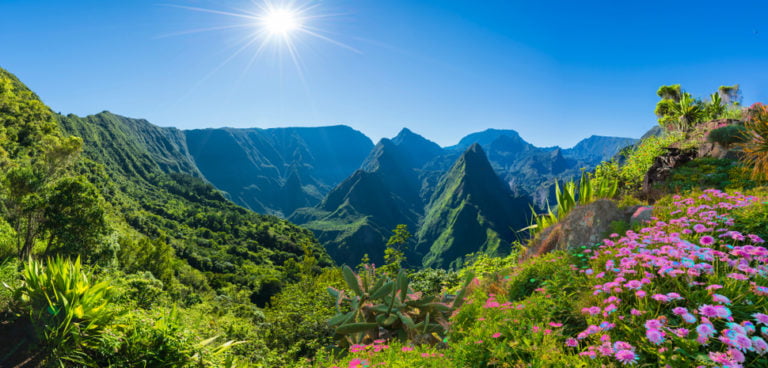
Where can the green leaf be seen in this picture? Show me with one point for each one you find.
(340, 318)
(351, 280)
(402, 284)
(355, 328)
(407, 320)
(334, 292)
(390, 320)
(383, 290)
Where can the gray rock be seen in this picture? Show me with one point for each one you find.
(585, 225)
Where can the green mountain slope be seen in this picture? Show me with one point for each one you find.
(149, 179)
(471, 210)
(452, 212)
(277, 170)
(357, 216)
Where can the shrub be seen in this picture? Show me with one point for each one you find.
(67, 308)
(727, 135)
(642, 157)
(755, 144)
(708, 172)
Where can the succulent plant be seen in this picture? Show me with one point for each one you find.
(387, 308)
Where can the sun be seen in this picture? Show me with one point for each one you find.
(281, 22)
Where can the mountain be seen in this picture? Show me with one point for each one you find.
(471, 210)
(357, 216)
(462, 199)
(532, 170)
(155, 191)
(596, 149)
(277, 170)
(452, 212)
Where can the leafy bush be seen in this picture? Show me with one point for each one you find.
(708, 172)
(9, 280)
(7, 240)
(753, 219)
(727, 135)
(641, 159)
(432, 281)
(68, 309)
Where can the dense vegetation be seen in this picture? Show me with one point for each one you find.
(114, 252)
(176, 261)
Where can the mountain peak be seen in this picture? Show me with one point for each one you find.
(487, 137)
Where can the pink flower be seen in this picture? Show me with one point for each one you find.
(655, 336)
(717, 298)
(571, 342)
(355, 363)
(706, 240)
(496, 335)
(759, 345)
(626, 357)
(708, 310)
(407, 348)
(761, 318)
(653, 324)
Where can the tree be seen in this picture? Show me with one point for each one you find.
(27, 186)
(74, 217)
(394, 255)
(730, 94)
(688, 112)
(671, 92)
(715, 108)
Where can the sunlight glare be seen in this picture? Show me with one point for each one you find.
(281, 21)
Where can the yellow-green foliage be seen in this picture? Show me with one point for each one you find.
(641, 158)
(68, 309)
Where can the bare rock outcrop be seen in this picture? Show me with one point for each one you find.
(585, 225)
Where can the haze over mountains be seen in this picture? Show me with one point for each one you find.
(470, 197)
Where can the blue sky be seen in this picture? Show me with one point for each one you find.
(556, 72)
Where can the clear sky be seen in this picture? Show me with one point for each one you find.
(556, 72)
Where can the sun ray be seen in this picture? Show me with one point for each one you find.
(199, 30)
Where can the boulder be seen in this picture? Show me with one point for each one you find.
(641, 215)
(585, 225)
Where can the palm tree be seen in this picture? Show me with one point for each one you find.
(687, 111)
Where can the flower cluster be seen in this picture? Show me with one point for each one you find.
(693, 280)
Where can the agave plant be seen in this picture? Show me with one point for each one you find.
(590, 189)
(389, 307)
(69, 310)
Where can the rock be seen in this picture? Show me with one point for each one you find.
(662, 167)
(641, 215)
(585, 225)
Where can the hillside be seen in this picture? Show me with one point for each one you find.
(412, 181)
(471, 210)
(277, 170)
(151, 187)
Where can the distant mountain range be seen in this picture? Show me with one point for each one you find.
(332, 180)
